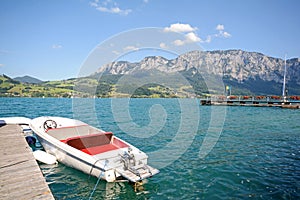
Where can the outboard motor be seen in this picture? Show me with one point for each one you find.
(2, 123)
(31, 141)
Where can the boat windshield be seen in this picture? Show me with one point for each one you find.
(64, 133)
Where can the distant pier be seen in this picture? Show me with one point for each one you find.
(258, 101)
(20, 175)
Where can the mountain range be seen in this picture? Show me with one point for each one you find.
(245, 72)
(28, 79)
(193, 74)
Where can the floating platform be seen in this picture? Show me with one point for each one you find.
(20, 175)
(261, 102)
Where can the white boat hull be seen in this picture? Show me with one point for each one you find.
(80, 162)
(108, 165)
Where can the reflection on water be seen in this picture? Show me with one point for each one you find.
(68, 183)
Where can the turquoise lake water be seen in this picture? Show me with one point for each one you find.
(203, 152)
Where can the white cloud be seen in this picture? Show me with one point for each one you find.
(222, 33)
(181, 28)
(130, 48)
(220, 27)
(208, 39)
(226, 34)
(57, 46)
(94, 4)
(163, 45)
(109, 6)
(114, 10)
(190, 33)
(1, 65)
(179, 42)
(192, 37)
(145, 1)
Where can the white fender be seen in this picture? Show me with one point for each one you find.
(44, 157)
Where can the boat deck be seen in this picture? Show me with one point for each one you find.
(95, 143)
(20, 175)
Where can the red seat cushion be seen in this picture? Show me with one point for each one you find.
(99, 149)
(95, 143)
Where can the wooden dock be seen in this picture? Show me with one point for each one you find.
(20, 175)
(255, 102)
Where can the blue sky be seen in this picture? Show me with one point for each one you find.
(51, 39)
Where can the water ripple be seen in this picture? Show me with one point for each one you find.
(257, 155)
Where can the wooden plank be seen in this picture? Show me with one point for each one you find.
(20, 175)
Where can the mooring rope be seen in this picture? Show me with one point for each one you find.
(93, 168)
(92, 193)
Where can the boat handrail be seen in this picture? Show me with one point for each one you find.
(67, 127)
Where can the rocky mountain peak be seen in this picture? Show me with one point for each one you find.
(232, 64)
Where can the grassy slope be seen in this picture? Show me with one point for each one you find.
(160, 86)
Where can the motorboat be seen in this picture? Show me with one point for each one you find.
(91, 150)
